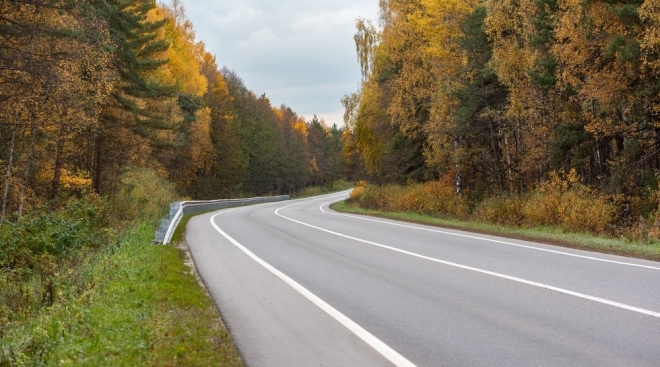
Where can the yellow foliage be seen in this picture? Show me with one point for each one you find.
(504, 210)
(370, 138)
(200, 147)
(380, 197)
(301, 127)
(143, 196)
(435, 198)
(560, 201)
(357, 192)
(184, 55)
(564, 201)
(80, 179)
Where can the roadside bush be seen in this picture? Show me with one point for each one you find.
(380, 197)
(560, 201)
(564, 201)
(40, 255)
(311, 191)
(144, 196)
(358, 190)
(341, 185)
(338, 185)
(435, 198)
(79, 224)
(504, 210)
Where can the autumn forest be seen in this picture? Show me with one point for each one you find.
(493, 98)
(98, 95)
(502, 100)
(530, 118)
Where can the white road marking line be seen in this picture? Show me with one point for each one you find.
(482, 271)
(489, 240)
(382, 348)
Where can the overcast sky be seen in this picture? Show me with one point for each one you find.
(299, 52)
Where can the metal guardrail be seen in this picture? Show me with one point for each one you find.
(181, 208)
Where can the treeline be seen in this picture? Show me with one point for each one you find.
(497, 94)
(96, 95)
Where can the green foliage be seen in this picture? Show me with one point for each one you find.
(546, 78)
(189, 104)
(138, 305)
(623, 48)
(41, 255)
(341, 185)
(628, 13)
(571, 147)
(81, 223)
(137, 54)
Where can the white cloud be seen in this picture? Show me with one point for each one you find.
(299, 52)
(236, 16)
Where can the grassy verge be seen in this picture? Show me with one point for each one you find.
(555, 236)
(141, 306)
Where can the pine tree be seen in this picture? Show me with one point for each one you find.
(129, 120)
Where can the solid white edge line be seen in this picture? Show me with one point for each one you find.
(482, 271)
(489, 240)
(382, 348)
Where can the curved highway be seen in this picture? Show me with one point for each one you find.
(301, 285)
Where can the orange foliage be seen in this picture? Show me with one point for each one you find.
(435, 198)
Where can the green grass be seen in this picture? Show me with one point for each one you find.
(555, 236)
(141, 306)
(180, 230)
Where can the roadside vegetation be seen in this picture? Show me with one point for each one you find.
(109, 111)
(336, 186)
(535, 116)
(561, 211)
(81, 285)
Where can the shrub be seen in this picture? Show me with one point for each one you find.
(380, 197)
(357, 192)
(80, 223)
(504, 210)
(144, 196)
(311, 191)
(564, 201)
(40, 254)
(436, 198)
(341, 185)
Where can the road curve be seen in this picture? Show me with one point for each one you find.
(301, 285)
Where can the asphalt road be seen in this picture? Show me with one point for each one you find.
(301, 285)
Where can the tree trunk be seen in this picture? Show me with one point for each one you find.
(96, 176)
(508, 160)
(28, 168)
(495, 139)
(457, 163)
(8, 176)
(57, 174)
